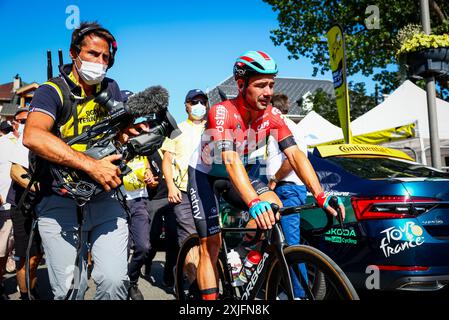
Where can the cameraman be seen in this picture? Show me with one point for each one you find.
(105, 227)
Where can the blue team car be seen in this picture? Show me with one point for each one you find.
(396, 232)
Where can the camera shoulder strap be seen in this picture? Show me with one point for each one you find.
(68, 103)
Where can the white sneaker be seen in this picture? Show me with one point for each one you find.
(10, 265)
(282, 296)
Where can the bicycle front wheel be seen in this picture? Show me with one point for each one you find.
(315, 276)
(186, 285)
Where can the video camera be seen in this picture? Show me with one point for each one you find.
(150, 106)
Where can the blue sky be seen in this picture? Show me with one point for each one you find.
(180, 45)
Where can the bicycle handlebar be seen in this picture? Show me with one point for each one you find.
(333, 202)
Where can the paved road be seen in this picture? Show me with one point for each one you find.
(152, 289)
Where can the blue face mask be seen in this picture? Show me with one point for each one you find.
(198, 111)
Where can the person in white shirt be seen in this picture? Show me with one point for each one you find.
(286, 184)
(22, 223)
(7, 144)
(175, 164)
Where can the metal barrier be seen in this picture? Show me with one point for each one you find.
(415, 154)
(441, 147)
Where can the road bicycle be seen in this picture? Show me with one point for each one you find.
(271, 280)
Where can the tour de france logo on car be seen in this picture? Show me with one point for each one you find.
(400, 238)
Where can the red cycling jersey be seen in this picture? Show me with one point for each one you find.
(226, 124)
(226, 130)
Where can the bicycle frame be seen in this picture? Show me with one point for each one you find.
(272, 248)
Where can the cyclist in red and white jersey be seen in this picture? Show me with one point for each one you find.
(235, 130)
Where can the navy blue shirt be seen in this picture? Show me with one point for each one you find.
(48, 99)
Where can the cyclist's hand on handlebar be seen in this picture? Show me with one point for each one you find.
(262, 213)
(327, 202)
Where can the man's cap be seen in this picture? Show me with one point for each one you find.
(125, 94)
(20, 110)
(5, 126)
(193, 93)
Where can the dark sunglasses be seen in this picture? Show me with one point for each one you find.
(21, 121)
(196, 101)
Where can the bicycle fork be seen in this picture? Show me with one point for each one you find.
(277, 239)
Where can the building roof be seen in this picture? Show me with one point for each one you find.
(294, 88)
(8, 109)
(26, 88)
(6, 93)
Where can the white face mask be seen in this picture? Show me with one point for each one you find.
(20, 128)
(198, 111)
(91, 72)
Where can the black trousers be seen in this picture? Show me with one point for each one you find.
(163, 220)
(139, 230)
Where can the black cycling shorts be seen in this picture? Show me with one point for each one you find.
(203, 191)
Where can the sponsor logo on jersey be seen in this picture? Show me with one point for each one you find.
(220, 116)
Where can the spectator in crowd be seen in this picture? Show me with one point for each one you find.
(163, 221)
(22, 222)
(7, 144)
(5, 128)
(134, 187)
(176, 158)
(175, 166)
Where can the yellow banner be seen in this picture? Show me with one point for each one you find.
(361, 149)
(382, 136)
(336, 44)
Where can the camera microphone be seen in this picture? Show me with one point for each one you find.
(151, 100)
(151, 103)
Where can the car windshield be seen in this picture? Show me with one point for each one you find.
(384, 168)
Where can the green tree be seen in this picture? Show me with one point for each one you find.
(303, 25)
(325, 104)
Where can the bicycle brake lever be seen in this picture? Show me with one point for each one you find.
(340, 218)
(333, 202)
(274, 208)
